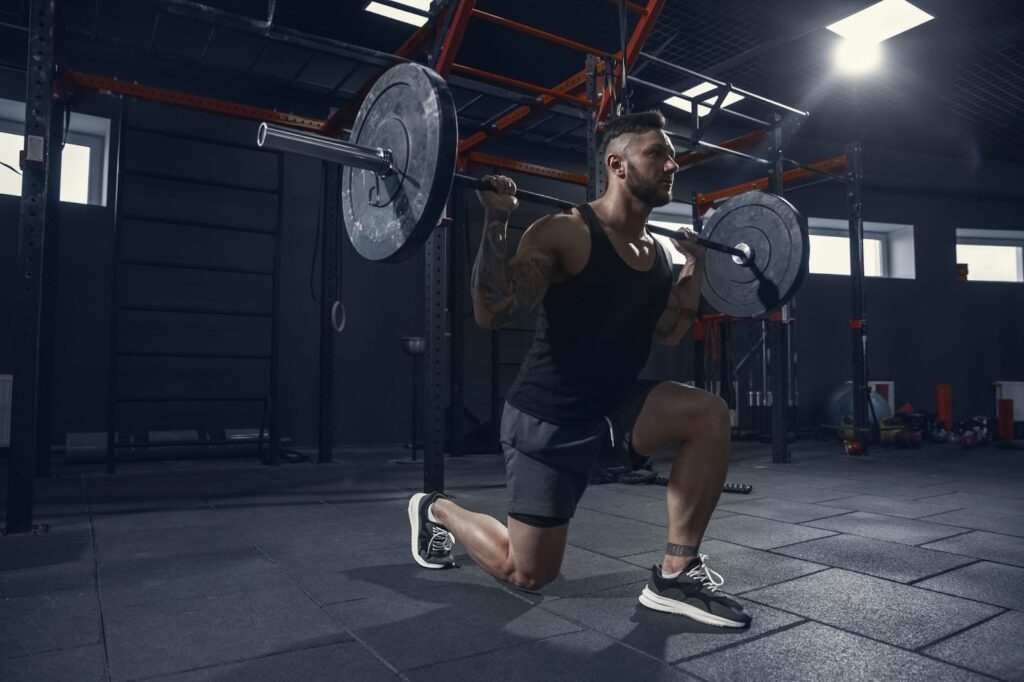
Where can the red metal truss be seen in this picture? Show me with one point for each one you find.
(505, 80)
(531, 168)
(569, 86)
(103, 84)
(412, 47)
(537, 33)
(643, 29)
(453, 38)
(704, 201)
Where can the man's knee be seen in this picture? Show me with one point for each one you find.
(532, 580)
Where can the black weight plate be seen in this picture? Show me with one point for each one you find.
(410, 111)
(776, 234)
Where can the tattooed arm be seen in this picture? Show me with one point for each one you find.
(684, 298)
(505, 288)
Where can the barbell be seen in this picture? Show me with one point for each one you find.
(399, 166)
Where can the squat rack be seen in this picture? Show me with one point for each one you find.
(440, 37)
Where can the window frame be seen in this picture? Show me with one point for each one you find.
(83, 129)
(889, 234)
(988, 237)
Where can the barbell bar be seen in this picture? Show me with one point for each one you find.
(379, 161)
(399, 166)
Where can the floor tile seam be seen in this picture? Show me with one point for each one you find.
(831, 533)
(948, 570)
(961, 530)
(965, 531)
(800, 620)
(845, 629)
(843, 512)
(958, 596)
(237, 661)
(628, 518)
(986, 511)
(824, 567)
(118, 606)
(97, 584)
(961, 631)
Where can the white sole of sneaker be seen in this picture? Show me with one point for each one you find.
(414, 529)
(659, 603)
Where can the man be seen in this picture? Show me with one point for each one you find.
(605, 287)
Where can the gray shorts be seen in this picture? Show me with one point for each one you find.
(548, 465)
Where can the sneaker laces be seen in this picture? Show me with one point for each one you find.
(441, 542)
(708, 578)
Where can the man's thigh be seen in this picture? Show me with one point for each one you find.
(671, 414)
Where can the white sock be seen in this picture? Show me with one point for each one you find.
(669, 576)
(430, 514)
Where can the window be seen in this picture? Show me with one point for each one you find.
(83, 161)
(888, 248)
(991, 255)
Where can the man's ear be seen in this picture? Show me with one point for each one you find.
(616, 164)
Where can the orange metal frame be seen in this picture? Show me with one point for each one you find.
(704, 201)
(505, 80)
(103, 84)
(531, 168)
(748, 140)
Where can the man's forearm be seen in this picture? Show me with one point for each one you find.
(490, 282)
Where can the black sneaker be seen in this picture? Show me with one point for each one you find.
(431, 542)
(694, 594)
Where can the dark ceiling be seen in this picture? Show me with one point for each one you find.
(954, 85)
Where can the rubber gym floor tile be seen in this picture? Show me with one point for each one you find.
(992, 648)
(751, 531)
(167, 542)
(45, 622)
(1004, 505)
(345, 661)
(892, 612)
(781, 510)
(670, 637)
(613, 535)
(59, 546)
(79, 574)
(175, 636)
(1004, 549)
(742, 568)
(907, 491)
(585, 572)
(890, 528)
(796, 493)
(578, 656)
(890, 560)
(132, 582)
(891, 506)
(980, 519)
(382, 576)
(812, 652)
(985, 581)
(156, 520)
(453, 621)
(77, 664)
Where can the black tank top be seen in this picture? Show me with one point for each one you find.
(594, 334)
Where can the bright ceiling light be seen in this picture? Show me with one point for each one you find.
(696, 91)
(855, 57)
(398, 14)
(880, 21)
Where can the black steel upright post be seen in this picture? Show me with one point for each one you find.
(458, 242)
(51, 250)
(434, 367)
(329, 275)
(275, 324)
(115, 290)
(858, 314)
(36, 212)
(594, 164)
(777, 356)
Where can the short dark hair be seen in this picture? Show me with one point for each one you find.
(639, 122)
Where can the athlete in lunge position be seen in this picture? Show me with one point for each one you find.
(605, 288)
